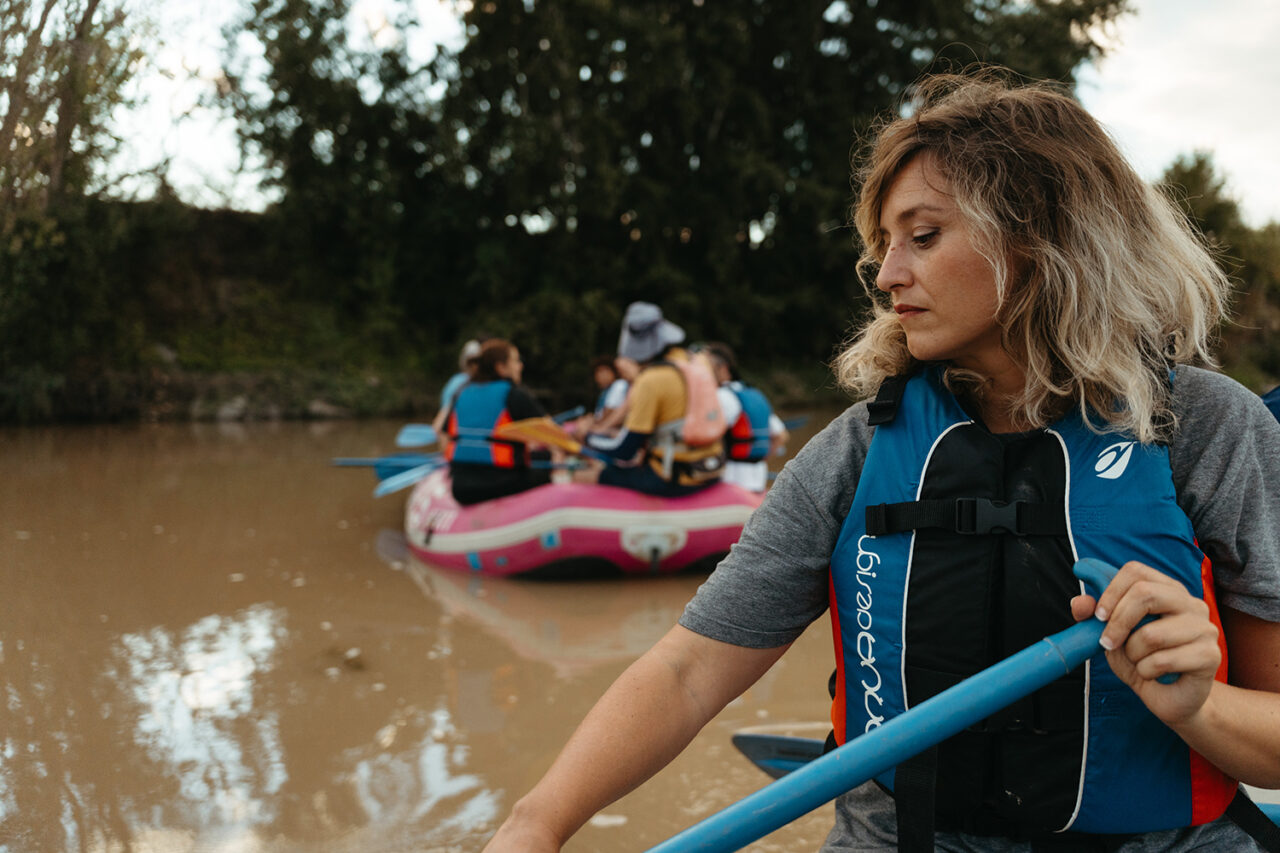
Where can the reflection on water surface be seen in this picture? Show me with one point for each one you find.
(212, 640)
(196, 718)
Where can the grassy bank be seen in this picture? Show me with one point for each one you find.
(170, 393)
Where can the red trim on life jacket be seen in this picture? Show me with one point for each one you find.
(838, 716)
(504, 455)
(741, 431)
(450, 431)
(1211, 789)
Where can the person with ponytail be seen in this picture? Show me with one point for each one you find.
(482, 467)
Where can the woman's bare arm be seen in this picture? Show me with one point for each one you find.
(1238, 727)
(641, 723)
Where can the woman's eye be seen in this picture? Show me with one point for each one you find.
(924, 239)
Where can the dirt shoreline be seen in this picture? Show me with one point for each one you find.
(169, 394)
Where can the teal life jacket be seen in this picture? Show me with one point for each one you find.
(956, 553)
(479, 409)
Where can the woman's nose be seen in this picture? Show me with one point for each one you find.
(893, 271)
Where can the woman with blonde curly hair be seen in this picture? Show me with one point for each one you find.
(1097, 291)
(1034, 388)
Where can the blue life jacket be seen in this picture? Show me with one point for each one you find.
(1272, 399)
(956, 553)
(478, 410)
(747, 439)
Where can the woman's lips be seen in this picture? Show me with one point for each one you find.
(908, 310)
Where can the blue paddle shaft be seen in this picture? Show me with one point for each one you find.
(862, 758)
(566, 416)
(913, 731)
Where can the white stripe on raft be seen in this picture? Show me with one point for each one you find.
(583, 518)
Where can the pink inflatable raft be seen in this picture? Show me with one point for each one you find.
(574, 528)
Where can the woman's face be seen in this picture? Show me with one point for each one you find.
(512, 368)
(943, 290)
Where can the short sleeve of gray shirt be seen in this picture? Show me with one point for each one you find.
(1225, 461)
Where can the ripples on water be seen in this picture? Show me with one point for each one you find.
(212, 640)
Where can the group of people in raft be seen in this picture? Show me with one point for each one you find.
(669, 420)
(1034, 386)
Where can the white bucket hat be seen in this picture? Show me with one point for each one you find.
(645, 333)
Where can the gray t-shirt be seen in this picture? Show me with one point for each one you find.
(1226, 469)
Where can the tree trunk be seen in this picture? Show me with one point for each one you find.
(16, 98)
(70, 101)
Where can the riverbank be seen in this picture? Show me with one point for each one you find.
(170, 393)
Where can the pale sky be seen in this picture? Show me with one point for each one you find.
(1193, 75)
(1184, 75)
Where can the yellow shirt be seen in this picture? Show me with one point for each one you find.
(658, 397)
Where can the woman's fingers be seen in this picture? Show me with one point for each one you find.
(1138, 592)
(1175, 643)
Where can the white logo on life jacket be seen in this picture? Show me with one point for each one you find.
(1113, 460)
(867, 560)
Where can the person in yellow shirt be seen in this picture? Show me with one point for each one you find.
(654, 453)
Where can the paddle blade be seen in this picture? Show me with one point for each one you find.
(777, 755)
(405, 479)
(539, 431)
(416, 435)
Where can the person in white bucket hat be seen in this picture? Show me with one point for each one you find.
(646, 333)
(655, 452)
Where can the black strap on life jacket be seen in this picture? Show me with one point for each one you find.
(969, 516)
(915, 783)
(884, 408)
(1245, 814)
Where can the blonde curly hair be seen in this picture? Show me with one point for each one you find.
(1102, 283)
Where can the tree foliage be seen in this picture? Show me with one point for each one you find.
(697, 154)
(569, 157)
(351, 141)
(585, 154)
(1250, 343)
(63, 69)
(64, 65)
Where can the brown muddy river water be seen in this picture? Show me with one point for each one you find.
(212, 640)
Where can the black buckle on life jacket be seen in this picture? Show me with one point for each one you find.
(984, 516)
